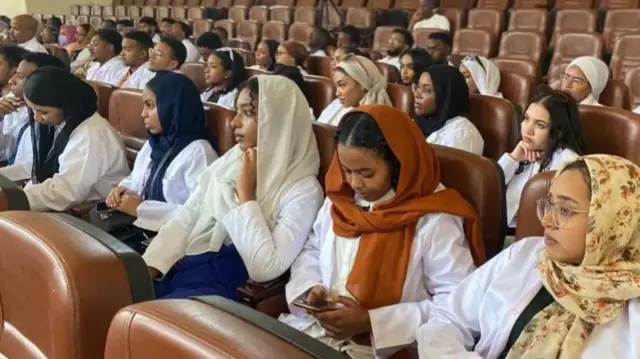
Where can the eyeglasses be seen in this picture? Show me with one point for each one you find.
(561, 214)
(575, 81)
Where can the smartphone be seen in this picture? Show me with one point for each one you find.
(103, 208)
(318, 306)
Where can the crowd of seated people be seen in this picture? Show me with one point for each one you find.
(379, 252)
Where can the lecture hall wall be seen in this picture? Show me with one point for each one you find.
(58, 7)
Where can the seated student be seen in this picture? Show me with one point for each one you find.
(551, 136)
(49, 36)
(399, 42)
(10, 57)
(223, 74)
(183, 32)
(439, 47)
(16, 141)
(266, 55)
(109, 24)
(413, 61)
(253, 208)
(23, 31)
(441, 101)
(77, 155)
(123, 26)
(387, 244)
(320, 42)
(482, 76)
(573, 293)
(176, 153)
(79, 51)
(585, 78)
(207, 43)
(348, 36)
(223, 33)
(108, 66)
(426, 17)
(293, 53)
(135, 55)
(149, 26)
(67, 36)
(167, 55)
(358, 82)
(166, 26)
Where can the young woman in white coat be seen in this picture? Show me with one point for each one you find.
(77, 156)
(176, 153)
(388, 243)
(574, 293)
(585, 78)
(253, 208)
(551, 136)
(223, 73)
(441, 102)
(482, 76)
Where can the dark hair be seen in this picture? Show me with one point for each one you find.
(148, 21)
(324, 39)
(253, 85)
(125, 22)
(168, 19)
(581, 166)
(359, 129)
(178, 51)
(272, 45)
(444, 37)
(408, 38)
(108, 24)
(55, 22)
(209, 40)
(142, 38)
(112, 37)
(12, 54)
(293, 73)
(352, 50)
(235, 67)
(41, 60)
(353, 32)
(421, 60)
(185, 28)
(85, 27)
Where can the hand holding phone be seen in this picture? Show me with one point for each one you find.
(317, 306)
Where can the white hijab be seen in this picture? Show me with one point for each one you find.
(597, 74)
(486, 76)
(287, 153)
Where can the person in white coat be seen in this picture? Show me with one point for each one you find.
(108, 66)
(358, 82)
(253, 208)
(441, 102)
(388, 243)
(573, 293)
(223, 73)
(78, 157)
(176, 153)
(482, 76)
(551, 136)
(135, 55)
(585, 78)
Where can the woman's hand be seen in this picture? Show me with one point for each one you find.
(247, 177)
(114, 197)
(129, 204)
(345, 322)
(522, 153)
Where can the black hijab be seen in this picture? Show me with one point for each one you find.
(452, 97)
(55, 87)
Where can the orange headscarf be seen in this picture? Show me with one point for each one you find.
(387, 232)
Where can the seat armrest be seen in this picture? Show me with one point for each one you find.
(82, 210)
(253, 292)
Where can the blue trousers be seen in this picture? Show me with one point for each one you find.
(211, 273)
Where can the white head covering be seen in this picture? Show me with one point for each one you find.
(486, 76)
(596, 72)
(287, 153)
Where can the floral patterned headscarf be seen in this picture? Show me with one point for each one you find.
(595, 292)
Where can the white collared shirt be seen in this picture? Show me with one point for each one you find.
(34, 46)
(333, 113)
(393, 61)
(16, 141)
(227, 100)
(109, 73)
(156, 38)
(138, 79)
(320, 52)
(193, 55)
(436, 21)
(459, 133)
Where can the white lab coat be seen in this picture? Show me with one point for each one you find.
(34, 46)
(440, 259)
(333, 113)
(179, 181)
(436, 21)
(193, 55)
(227, 100)
(91, 164)
(110, 72)
(459, 133)
(485, 306)
(84, 57)
(393, 61)
(12, 125)
(637, 110)
(515, 182)
(138, 79)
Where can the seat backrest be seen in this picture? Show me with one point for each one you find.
(201, 26)
(238, 13)
(421, 36)
(320, 66)
(574, 21)
(390, 72)
(615, 93)
(611, 131)
(474, 42)
(500, 5)
(249, 31)
(619, 22)
(381, 37)
(326, 139)
(320, 92)
(626, 55)
(516, 88)
(195, 72)
(228, 25)
(486, 193)
(219, 123)
(274, 30)
(572, 45)
(528, 223)
(281, 13)
(496, 120)
(573, 4)
(300, 32)
(360, 17)
(304, 14)
(522, 45)
(619, 4)
(632, 80)
(56, 306)
(103, 91)
(259, 13)
(534, 20)
(457, 17)
(401, 97)
(125, 115)
(491, 20)
(520, 66)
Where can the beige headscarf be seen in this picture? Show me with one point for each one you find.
(596, 291)
(287, 152)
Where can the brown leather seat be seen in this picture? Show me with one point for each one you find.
(300, 32)
(618, 23)
(346, 4)
(474, 42)
(281, 13)
(390, 72)
(201, 26)
(206, 327)
(381, 37)
(421, 36)
(162, 12)
(516, 88)
(320, 66)
(197, 13)
(573, 4)
(572, 45)
(179, 13)
(239, 44)
(611, 131)
(195, 72)
(125, 109)
(228, 25)
(319, 91)
(531, 4)
(615, 93)
(632, 80)
(149, 11)
(401, 97)
(406, 4)
(528, 223)
(219, 123)
(12, 197)
(457, 17)
(500, 5)
(523, 67)
(619, 4)
(59, 305)
(274, 30)
(533, 20)
(120, 11)
(304, 14)
(496, 120)
(457, 4)
(574, 21)
(238, 13)
(626, 55)
(103, 91)
(249, 31)
(326, 139)
(522, 45)
(332, 18)
(259, 13)
(361, 18)
(491, 20)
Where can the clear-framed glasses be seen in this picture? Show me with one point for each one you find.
(560, 213)
(575, 81)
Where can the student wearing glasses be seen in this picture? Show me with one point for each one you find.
(585, 78)
(223, 74)
(482, 76)
(573, 293)
(551, 136)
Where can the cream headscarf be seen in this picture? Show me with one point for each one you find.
(596, 291)
(287, 153)
(597, 74)
(486, 76)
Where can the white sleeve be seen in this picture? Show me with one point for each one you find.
(447, 261)
(267, 253)
(454, 324)
(84, 57)
(509, 167)
(465, 140)
(563, 158)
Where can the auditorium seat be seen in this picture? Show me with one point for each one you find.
(125, 109)
(496, 120)
(12, 198)
(348, 4)
(249, 31)
(197, 13)
(572, 45)
(477, 42)
(531, 4)
(248, 56)
(522, 45)
(239, 44)
(390, 72)
(304, 14)
(632, 80)
(626, 55)
(421, 36)
(381, 38)
(259, 13)
(457, 17)
(532, 20)
(620, 22)
(362, 18)
(615, 93)
(619, 4)
(300, 32)
(519, 66)
(211, 327)
(491, 20)
(573, 4)
(228, 25)
(320, 66)
(219, 123)
(238, 13)
(274, 30)
(320, 92)
(61, 283)
(611, 131)
(500, 5)
(401, 97)
(528, 223)
(195, 72)
(574, 21)
(103, 91)
(201, 26)
(281, 13)
(150, 11)
(516, 88)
